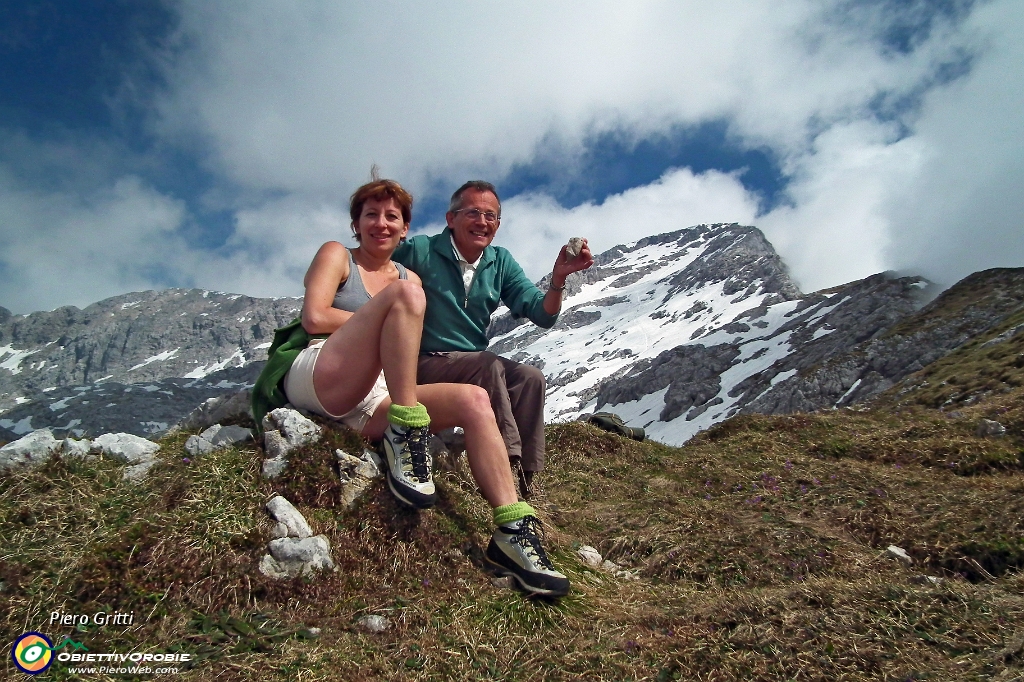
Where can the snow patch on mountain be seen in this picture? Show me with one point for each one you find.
(679, 331)
(199, 372)
(159, 357)
(10, 358)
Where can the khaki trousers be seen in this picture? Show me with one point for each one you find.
(516, 392)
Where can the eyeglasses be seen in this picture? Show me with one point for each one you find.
(490, 217)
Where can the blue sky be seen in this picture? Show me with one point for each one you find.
(154, 144)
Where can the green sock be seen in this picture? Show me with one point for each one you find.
(512, 512)
(403, 415)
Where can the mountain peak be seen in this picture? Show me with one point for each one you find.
(680, 330)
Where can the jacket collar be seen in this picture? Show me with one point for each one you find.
(442, 244)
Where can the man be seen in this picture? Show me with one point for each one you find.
(465, 279)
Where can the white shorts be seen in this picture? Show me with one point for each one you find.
(298, 386)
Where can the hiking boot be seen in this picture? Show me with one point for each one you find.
(515, 551)
(409, 465)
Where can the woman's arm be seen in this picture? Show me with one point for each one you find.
(326, 273)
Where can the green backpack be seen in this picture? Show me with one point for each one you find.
(613, 422)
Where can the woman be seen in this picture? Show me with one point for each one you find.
(368, 312)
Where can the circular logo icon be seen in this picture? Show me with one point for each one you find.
(32, 653)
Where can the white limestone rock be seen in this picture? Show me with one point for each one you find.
(197, 445)
(572, 249)
(504, 582)
(296, 429)
(593, 559)
(225, 436)
(210, 433)
(294, 523)
(371, 466)
(988, 428)
(276, 448)
(284, 429)
(76, 449)
(293, 557)
(274, 467)
(314, 551)
(32, 450)
(272, 569)
(899, 553)
(590, 556)
(216, 410)
(926, 580)
(352, 490)
(137, 452)
(347, 464)
(357, 474)
(137, 472)
(374, 623)
(215, 438)
(275, 445)
(126, 448)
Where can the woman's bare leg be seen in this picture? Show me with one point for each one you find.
(384, 333)
(467, 406)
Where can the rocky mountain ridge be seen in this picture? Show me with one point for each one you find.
(674, 332)
(682, 330)
(135, 363)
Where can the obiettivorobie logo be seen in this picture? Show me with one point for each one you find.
(33, 651)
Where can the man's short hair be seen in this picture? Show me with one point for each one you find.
(479, 186)
(379, 190)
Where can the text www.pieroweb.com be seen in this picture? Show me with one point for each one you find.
(114, 670)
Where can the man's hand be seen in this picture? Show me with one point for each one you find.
(565, 266)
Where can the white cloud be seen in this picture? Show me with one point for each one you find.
(943, 201)
(837, 229)
(59, 248)
(304, 98)
(273, 246)
(304, 101)
(295, 101)
(534, 227)
(964, 210)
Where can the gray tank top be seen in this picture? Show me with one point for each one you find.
(352, 294)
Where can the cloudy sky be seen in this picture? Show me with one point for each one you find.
(148, 144)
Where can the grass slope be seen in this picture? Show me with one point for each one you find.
(758, 551)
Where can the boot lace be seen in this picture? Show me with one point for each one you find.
(415, 456)
(528, 537)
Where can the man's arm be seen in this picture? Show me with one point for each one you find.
(564, 266)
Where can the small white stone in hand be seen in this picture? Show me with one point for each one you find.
(572, 249)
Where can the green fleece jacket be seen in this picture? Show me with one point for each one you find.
(267, 393)
(457, 320)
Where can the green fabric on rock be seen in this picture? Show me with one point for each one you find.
(268, 393)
